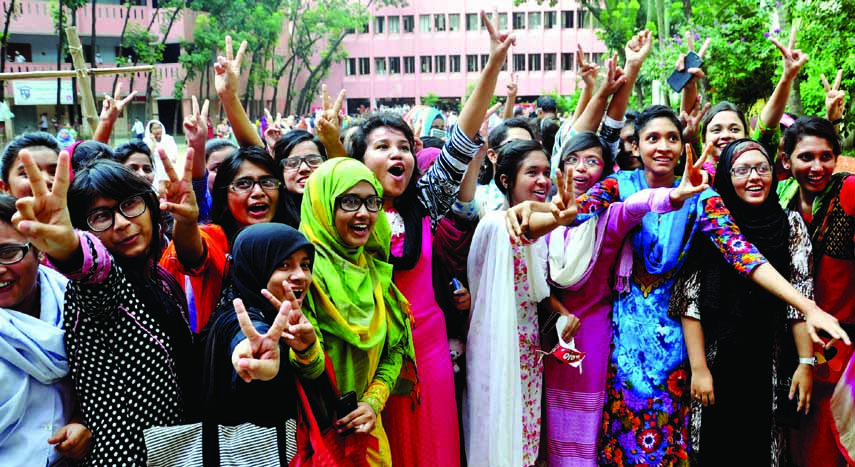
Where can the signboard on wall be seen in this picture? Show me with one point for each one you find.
(41, 92)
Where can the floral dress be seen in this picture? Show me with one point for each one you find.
(531, 368)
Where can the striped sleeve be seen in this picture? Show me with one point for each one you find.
(438, 187)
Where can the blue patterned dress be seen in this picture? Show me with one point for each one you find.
(646, 416)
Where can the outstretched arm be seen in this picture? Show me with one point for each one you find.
(196, 131)
(794, 59)
(227, 72)
(513, 87)
(110, 111)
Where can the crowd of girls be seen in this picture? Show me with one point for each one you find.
(479, 294)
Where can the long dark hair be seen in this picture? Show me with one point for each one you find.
(104, 178)
(586, 140)
(123, 152)
(511, 158)
(220, 212)
(281, 151)
(495, 139)
(723, 106)
(810, 126)
(407, 205)
(29, 140)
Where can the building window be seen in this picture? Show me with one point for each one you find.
(533, 62)
(581, 18)
(364, 29)
(567, 60)
(454, 63)
(351, 67)
(394, 24)
(548, 20)
(379, 25)
(424, 22)
(519, 62)
(503, 21)
(439, 62)
(489, 18)
(484, 59)
(519, 20)
(409, 23)
(425, 64)
(471, 63)
(549, 62)
(471, 21)
(364, 66)
(567, 19)
(409, 65)
(380, 65)
(453, 22)
(534, 20)
(597, 58)
(439, 22)
(394, 65)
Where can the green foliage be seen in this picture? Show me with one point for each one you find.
(566, 104)
(430, 100)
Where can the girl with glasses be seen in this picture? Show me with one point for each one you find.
(36, 391)
(298, 153)
(129, 343)
(727, 317)
(362, 316)
(247, 190)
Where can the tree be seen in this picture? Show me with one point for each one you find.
(12, 12)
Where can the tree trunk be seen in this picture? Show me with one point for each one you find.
(3, 43)
(307, 94)
(250, 87)
(92, 62)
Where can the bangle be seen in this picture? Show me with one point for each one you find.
(837, 121)
(810, 361)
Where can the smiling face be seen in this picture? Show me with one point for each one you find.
(140, 164)
(355, 227)
(532, 180)
(659, 146)
(295, 180)
(754, 188)
(296, 270)
(256, 205)
(724, 128)
(587, 170)
(156, 131)
(18, 284)
(389, 156)
(127, 238)
(811, 163)
(625, 158)
(19, 184)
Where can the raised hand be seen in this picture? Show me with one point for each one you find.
(43, 218)
(258, 356)
(614, 78)
(692, 120)
(696, 73)
(273, 132)
(693, 181)
(500, 42)
(563, 206)
(176, 194)
(834, 97)
(638, 48)
(114, 106)
(793, 59)
(227, 69)
(587, 71)
(299, 333)
(328, 123)
(73, 440)
(196, 124)
(513, 85)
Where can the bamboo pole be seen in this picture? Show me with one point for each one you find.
(45, 74)
(90, 114)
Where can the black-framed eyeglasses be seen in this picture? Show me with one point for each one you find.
(13, 254)
(242, 185)
(294, 163)
(352, 203)
(743, 171)
(102, 219)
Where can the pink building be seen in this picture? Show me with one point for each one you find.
(439, 48)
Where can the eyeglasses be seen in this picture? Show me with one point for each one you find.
(13, 254)
(352, 203)
(102, 219)
(743, 171)
(294, 163)
(242, 185)
(590, 162)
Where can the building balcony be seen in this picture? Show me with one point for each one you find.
(163, 81)
(34, 16)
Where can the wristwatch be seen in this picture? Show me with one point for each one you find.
(807, 361)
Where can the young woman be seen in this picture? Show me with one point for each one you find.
(648, 382)
(263, 258)
(826, 202)
(507, 283)
(247, 190)
(298, 153)
(487, 195)
(156, 137)
(733, 317)
(35, 393)
(136, 156)
(44, 151)
(362, 316)
(129, 344)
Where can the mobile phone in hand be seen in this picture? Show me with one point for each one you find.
(679, 79)
(346, 404)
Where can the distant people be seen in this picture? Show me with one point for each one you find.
(64, 138)
(98, 59)
(20, 59)
(44, 124)
(138, 129)
(546, 107)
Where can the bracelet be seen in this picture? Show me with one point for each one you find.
(810, 361)
(837, 121)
